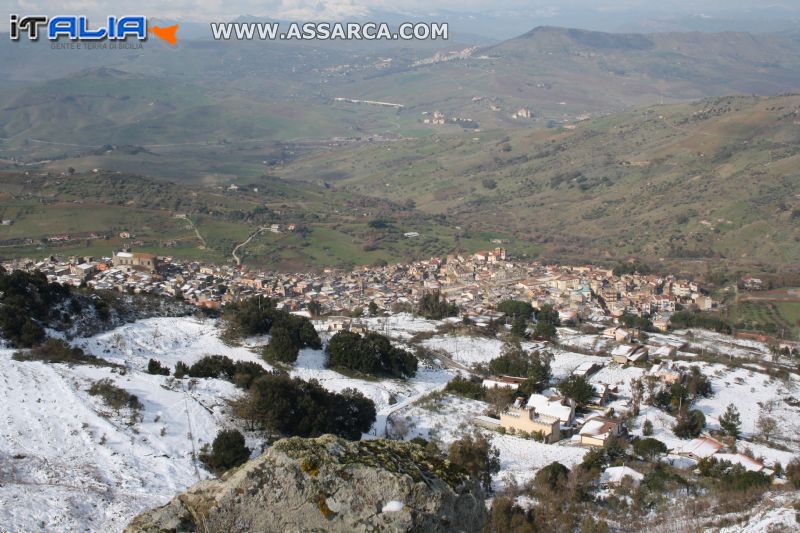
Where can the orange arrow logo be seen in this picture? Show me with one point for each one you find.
(167, 33)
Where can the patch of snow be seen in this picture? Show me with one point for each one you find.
(393, 506)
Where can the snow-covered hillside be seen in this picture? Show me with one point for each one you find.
(68, 462)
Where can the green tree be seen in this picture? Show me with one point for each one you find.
(545, 330)
(551, 476)
(280, 349)
(314, 308)
(731, 422)
(576, 388)
(466, 387)
(370, 354)
(282, 405)
(433, 306)
(154, 367)
(595, 459)
(512, 362)
(227, 451)
(519, 327)
(689, 424)
(649, 448)
(547, 320)
(181, 369)
(515, 308)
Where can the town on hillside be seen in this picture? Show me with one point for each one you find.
(476, 283)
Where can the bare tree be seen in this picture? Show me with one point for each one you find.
(767, 425)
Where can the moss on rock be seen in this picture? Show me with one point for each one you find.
(398, 457)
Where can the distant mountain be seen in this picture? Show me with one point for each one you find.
(206, 102)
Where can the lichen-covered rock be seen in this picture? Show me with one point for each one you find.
(328, 484)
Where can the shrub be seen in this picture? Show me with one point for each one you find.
(576, 388)
(154, 367)
(113, 396)
(475, 454)
(793, 472)
(505, 515)
(551, 475)
(649, 448)
(241, 373)
(371, 354)
(466, 388)
(59, 351)
(647, 428)
(280, 349)
(293, 407)
(227, 451)
(434, 307)
(661, 477)
(732, 477)
(245, 372)
(181, 370)
(213, 366)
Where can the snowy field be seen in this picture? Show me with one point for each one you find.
(67, 462)
(469, 350)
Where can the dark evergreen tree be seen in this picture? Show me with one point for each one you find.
(154, 367)
(227, 451)
(281, 348)
(649, 448)
(285, 406)
(434, 307)
(576, 388)
(730, 421)
(370, 354)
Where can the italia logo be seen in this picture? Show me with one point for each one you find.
(77, 28)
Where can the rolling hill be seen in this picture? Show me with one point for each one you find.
(716, 179)
(218, 109)
(710, 179)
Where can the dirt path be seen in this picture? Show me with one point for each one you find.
(197, 232)
(247, 241)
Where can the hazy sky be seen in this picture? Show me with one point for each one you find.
(495, 19)
(333, 9)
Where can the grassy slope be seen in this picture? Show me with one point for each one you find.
(714, 179)
(333, 225)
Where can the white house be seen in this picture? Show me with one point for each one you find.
(614, 475)
(554, 406)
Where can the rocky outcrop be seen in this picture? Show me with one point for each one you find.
(328, 484)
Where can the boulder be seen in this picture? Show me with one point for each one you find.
(328, 484)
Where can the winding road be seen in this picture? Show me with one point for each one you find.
(250, 238)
